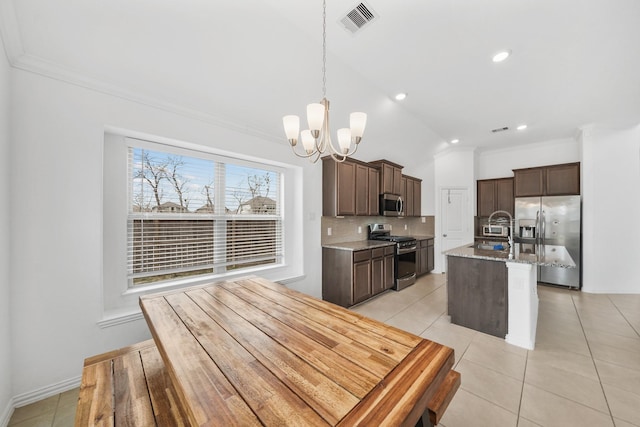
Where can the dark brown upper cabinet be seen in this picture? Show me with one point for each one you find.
(338, 187)
(410, 191)
(390, 176)
(494, 195)
(553, 180)
(349, 188)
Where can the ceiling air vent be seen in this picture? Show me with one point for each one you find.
(496, 130)
(358, 17)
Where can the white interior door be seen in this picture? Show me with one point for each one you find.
(454, 214)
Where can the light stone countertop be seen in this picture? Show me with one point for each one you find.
(422, 236)
(544, 255)
(359, 245)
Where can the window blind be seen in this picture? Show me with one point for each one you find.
(193, 214)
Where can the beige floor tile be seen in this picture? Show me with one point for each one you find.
(416, 318)
(626, 301)
(551, 410)
(454, 336)
(616, 324)
(550, 293)
(617, 356)
(570, 385)
(495, 357)
(43, 407)
(467, 409)
(556, 338)
(567, 319)
(586, 301)
(379, 308)
(621, 423)
(69, 398)
(613, 340)
(43, 420)
(523, 422)
(619, 376)
(65, 416)
(624, 405)
(499, 389)
(564, 360)
(499, 343)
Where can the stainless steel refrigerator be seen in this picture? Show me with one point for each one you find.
(552, 220)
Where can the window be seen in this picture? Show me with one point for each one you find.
(221, 214)
(192, 213)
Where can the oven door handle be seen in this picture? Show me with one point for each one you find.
(407, 250)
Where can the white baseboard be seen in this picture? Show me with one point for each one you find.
(6, 414)
(47, 391)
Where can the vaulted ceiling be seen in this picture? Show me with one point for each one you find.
(247, 63)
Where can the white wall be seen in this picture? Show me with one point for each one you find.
(56, 211)
(453, 168)
(5, 247)
(500, 163)
(610, 209)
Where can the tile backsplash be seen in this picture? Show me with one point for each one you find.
(350, 229)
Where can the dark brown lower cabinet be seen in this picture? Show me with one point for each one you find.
(350, 277)
(477, 294)
(424, 256)
(361, 281)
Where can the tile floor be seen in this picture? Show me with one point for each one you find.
(585, 370)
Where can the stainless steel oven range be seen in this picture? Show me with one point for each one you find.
(405, 254)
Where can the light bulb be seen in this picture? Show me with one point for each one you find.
(291, 128)
(315, 117)
(357, 123)
(344, 139)
(308, 141)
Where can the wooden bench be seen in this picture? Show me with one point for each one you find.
(130, 386)
(440, 401)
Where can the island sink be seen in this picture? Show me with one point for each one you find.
(490, 246)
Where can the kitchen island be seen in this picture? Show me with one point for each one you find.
(495, 291)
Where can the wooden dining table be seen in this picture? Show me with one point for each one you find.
(249, 351)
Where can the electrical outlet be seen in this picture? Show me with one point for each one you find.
(359, 230)
(328, 231)
(405, 226)
(423, 219)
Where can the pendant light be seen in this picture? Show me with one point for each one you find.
(317, 139)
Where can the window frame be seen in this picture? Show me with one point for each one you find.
(220, 219)
(119, 299)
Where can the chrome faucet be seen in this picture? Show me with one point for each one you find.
(511, 227)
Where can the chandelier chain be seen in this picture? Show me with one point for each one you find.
(324, 49)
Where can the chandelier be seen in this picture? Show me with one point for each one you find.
(317, 139)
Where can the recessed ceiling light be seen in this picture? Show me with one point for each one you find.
(455, 141)
(401, 96)
(522, 127)
(501, 56)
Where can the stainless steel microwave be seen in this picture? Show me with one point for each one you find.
(391, 205)
(495, 230)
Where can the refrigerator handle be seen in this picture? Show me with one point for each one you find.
(543, 220)
(537, 236)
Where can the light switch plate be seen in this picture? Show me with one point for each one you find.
(328, 231)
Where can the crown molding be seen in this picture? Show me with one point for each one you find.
(37, 65)
(19, 59)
